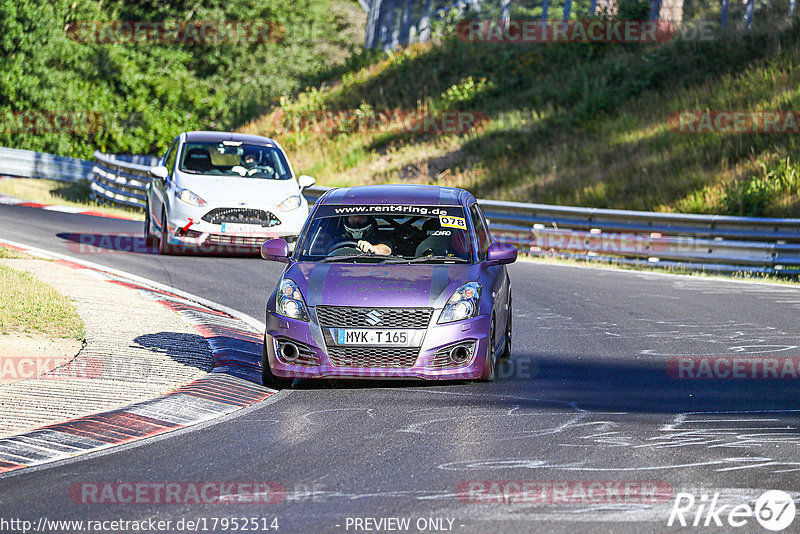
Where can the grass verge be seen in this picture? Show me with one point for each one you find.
(11, 254)
(72, 194)
(28, 305)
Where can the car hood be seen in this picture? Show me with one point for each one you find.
(231, 189)
(403, 285)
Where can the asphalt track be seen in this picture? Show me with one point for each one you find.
(590, 395)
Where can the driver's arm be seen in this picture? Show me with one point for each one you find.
(380, 249)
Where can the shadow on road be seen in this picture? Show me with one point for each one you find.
(651, 386)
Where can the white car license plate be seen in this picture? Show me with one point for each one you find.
(397, 338)
(233, 228)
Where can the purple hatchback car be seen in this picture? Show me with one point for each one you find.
(389, 281)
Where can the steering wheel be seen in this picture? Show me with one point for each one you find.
(349, 243)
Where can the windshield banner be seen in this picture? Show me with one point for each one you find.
(339, 210)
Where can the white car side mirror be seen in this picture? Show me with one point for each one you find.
(159, 172)
(305, 181)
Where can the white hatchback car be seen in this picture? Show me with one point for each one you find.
(223, 191)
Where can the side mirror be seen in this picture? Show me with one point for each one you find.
(501, 253)
(305, 181)
(275, 250)
(159, 172)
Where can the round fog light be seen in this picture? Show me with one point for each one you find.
(459, 354)
(289, 351)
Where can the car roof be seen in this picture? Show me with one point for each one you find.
(428, 195)
(217, 137)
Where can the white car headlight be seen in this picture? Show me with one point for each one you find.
(290, 203)
(190, 197)
(290, 302)
(463, 304)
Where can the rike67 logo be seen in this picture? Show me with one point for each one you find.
(774, 510)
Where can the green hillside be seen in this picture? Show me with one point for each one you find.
(575, 124)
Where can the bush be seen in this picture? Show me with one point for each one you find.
(755, 196)
(142, 94)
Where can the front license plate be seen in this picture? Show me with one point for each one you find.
(233, 228)
(397, 338)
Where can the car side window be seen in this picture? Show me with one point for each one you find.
(480, 231)
(169, 159)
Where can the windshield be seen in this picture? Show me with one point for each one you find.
(225, 159)
(418, 234)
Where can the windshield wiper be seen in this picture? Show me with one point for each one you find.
(353, 257)
(424, 259)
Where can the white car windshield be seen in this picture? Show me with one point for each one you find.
(244, 161)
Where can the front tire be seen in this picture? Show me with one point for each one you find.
(491, 358)
(164, 247)
(149, 239)
(267, 378)
(507, 351)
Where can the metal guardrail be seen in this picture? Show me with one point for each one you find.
(116, 179)
(698, 242)
(30, 164)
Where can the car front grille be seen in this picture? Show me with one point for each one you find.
(349, 317)
(373, 357)
(222, 239)
(241, 216)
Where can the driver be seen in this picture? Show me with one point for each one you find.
(249, 160)
(364, 230)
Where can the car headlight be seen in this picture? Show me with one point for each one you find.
(290, 302)
(190, 197)
(290, 203)
(463, 304)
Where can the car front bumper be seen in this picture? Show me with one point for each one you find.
(431, 361)
(187, 229)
